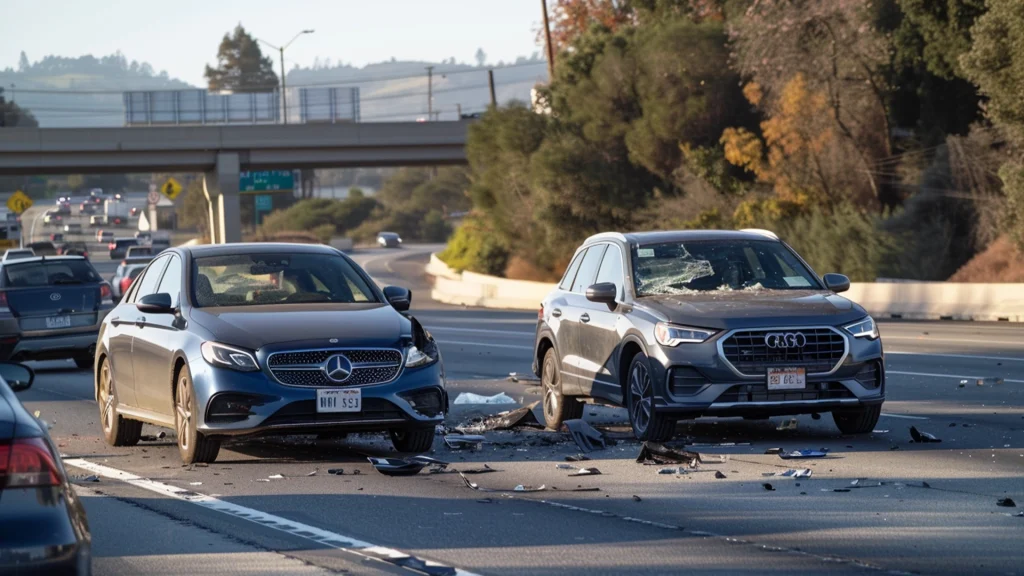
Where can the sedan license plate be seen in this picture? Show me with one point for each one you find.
(787, 379)
(58, 322)
(339, 400)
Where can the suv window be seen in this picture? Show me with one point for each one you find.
(570, 273)
(171, 283)
(611, 269)
(588, 268)
(149, 280)
(48, 272)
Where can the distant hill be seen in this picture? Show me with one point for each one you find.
(85, 91)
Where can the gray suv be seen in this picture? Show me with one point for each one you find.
(677, 325)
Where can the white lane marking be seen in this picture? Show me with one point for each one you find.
(961, 376)
(517, 333)
(510, 346)
(327, 538)
(933, 339)
(965, 356)
(904, 416)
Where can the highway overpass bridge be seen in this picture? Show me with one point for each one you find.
(221, 152)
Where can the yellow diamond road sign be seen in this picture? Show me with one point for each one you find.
(171, 188)
(19, 202)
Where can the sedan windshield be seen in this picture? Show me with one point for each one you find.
(255, 279)
(706, 265)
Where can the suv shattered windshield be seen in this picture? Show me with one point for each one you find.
(707, 265)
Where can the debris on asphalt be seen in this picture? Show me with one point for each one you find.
(313, 473)
(637, 498)
(719, 444)
(585, 436)
(586, 472)
(790, 424)
(90, 478)
(276, 477)
(768, 487)
(655, 453)
(565, 466)
(668, 471)
(922, 437)
(990, 380)
(262, 480)
(517, 377)
(791, 473)
(471, 398)
(518, 488)
(195, 483)
(396, 466)
(520, 417)
(484, 470)
(798, 454)
(713, 458)
(336, 471)
(577, 458)
(840, 489)
(773, 451)
(460, 441)
(1006, 503)
(719, 475)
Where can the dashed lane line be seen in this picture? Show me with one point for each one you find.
(318, 535)
(961, 376)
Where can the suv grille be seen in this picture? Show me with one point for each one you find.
(749, 353)
(760, 393)
(307, 367)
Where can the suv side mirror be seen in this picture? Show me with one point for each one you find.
(603, 292)
(837, 282)
(18, 376)
(159, 303)
(399, 298)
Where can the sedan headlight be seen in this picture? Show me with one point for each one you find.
(864, 329)
(672, 335)
(224, 356)
(414, 358)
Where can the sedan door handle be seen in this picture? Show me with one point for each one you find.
(585, 318)
(556, 312)
(140, 321)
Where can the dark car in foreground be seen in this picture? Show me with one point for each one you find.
(51, 308)
(43, 528)
(677, 325)
(254, 339)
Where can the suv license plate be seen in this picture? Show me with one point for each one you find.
(787, 379)
(58, 322)
(339, 400)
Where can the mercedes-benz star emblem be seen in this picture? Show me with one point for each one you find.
(777, 340)
(55, 296)
(338, 368)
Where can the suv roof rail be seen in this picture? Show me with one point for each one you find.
(762, 232)
(606, 236)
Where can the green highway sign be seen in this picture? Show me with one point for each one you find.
(266, 181)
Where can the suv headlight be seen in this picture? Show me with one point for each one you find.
(672, 335)
(414, 358)
(228, 357)
(864, 329)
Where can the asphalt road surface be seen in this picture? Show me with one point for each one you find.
(877, 503)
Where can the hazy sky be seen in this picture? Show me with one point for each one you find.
(181, 36)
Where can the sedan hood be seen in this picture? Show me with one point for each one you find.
(753, 308)
(254, 327)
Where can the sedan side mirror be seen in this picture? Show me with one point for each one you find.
(603, 292)
(18, 376)
(399, 298)
(837, 282)
(155, 304)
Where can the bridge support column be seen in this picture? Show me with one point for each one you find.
(221, 188)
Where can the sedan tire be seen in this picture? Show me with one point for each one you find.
(557, 407)
(860, 421)
(193, 446)
(647, 423)
(117, 430)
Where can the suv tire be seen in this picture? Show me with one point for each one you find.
(859, 421)
(647, 423)
(117, 430)
(193, 445)
(557, 407)
(416, 440)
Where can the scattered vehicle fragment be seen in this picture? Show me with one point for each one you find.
(585, 436)
(485, 469)
(396, 466)
(460, 441)
(518, 488)
(768, 487)
(1006, 503)
(791, 473)
(577, 458)
(797, 454)
(655, 453)
(668, 471)
(922, 437)
(720, 475)
(471, 398)
(586, 472)
(773, 451)
(520, 417)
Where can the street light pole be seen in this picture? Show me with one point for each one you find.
(284, 84)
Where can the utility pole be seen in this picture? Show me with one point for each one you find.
(458, 108)
(547, 41)
(490, 83)
(430, 93)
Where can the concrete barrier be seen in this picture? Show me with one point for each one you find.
(883, 300)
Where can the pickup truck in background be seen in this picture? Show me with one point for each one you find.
(51, 308)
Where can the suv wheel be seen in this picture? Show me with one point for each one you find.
(643, 416)
(859, 421)
(557, 407)
(117, 430)
(415, 440)
(193, 445)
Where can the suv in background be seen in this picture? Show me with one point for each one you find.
(677, 325)
(389, 240)
(43, 248)
(119, 247)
